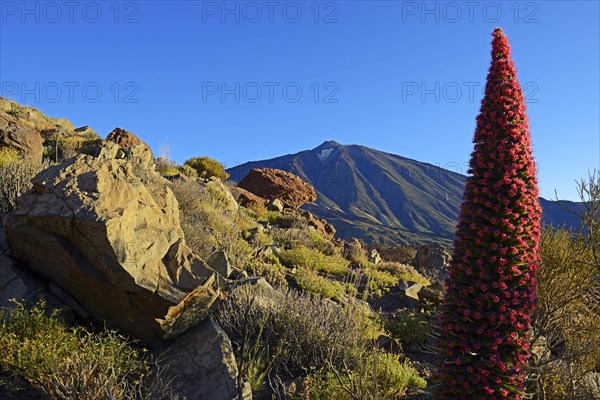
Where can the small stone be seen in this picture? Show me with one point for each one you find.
(220, 263)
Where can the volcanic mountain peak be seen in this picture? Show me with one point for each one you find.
(378, 196)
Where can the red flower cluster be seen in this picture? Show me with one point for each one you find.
(491, 286)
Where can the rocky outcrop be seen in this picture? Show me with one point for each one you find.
(203, 363)
(374, 257)
(271, 183)
(107, 232)
(432, 294)
(320, 225)
(432, 260)
(20, 137)
(126, 140)
(221, 193)
(275, 205)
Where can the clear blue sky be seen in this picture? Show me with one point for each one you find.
(404, 77)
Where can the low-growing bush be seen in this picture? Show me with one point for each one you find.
(296, 333)
(70, 363)
(286, 219)
(379, 281)
(270, 269)
(357, 256)
(9, 156)
(319, 242)
(402, 271)
(411, 327)
(207, 167)
(375, 375)
(188, 171)
(311, 282)
(302, 256)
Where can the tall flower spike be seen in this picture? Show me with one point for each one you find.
(490, 297)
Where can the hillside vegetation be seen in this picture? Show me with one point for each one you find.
(301, 315)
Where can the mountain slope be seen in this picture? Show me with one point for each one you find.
(382, 197)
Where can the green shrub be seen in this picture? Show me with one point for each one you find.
(319, 242)
(271, 270)
(188, 171)
(411, 327)
(375, 375)
(379, 281)
(311, 282)
(258, 212)
(304, 257)
(402, 271)
(207, 167)
(69, 363)
(286, 219)
(9, 156)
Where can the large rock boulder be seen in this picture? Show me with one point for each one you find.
(126, 140)
(20, 137)
(432, 260)
(107, 232)
(271, 183)
(203, 364)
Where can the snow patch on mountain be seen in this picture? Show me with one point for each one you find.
(325, 153)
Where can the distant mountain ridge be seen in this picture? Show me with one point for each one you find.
(382, 197)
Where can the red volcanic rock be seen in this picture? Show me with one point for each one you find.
(320, 225)
(125, 139)
(246, 198)
(271, 183)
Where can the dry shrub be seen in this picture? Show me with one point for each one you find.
(566, 342)
(567, 322)
(295, 332)
(16, 173)
(208, 226)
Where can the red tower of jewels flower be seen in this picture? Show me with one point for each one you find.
(486, 316)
